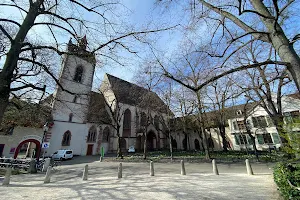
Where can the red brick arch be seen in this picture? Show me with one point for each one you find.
(36, 142)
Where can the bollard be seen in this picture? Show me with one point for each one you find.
(215, 168)
(7, 176)
(182, 168)
(101, 159)
(85, 173)
(151, 168)
(32, 166)
(120, 171)
(48, 175)
(46, 164)
(249, 168)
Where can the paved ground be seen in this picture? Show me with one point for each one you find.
(199, 183)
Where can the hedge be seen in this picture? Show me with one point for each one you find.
(284, 172)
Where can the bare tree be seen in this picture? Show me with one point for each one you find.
(219, 95)
(24, 54)
(238, 23)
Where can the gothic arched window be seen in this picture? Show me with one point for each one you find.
(156, 122)
(127, 123)
(92, 134)
(78, 74)
(66, 139)
(105, 136)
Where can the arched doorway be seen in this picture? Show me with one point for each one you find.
(37, 144)
(184, 143)
(197, 144)
(174, 144)
(151, 140)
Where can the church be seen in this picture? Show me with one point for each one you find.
(87, 121)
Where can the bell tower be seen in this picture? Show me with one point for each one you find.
(71, 97)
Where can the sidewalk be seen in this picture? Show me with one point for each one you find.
(136, 183)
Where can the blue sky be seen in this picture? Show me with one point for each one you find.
(140, 14)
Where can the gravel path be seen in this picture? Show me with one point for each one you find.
(136, 183)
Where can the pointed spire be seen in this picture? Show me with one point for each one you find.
(83, 43)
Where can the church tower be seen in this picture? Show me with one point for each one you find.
(76, 78)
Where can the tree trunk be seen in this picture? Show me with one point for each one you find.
(171, 147)
(280, 42)
(4, 100)
(12, 56)
(223, 135)
(145, 146)
(201, 124)
(119, 151)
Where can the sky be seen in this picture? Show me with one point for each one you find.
(140, 14)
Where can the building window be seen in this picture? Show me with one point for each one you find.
(276, 138)
(235, 127)
(241, 125)
(66, 139)
(105, 136)
(92, 134)
(78, 74)
(127, 123)
(239, 112)
(292, 117)
(264, 138)
(259, 122)
(70, 117)
(243, 139)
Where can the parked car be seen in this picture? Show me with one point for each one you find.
(63, 154)
(131, 149)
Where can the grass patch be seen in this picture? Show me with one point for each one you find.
(193, 156)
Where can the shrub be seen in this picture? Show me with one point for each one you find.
(284, 172)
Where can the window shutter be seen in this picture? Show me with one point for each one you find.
(276, 138)
(260, 139)
(237, 140)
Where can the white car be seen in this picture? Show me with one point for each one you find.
(63, 154)
(131, 149)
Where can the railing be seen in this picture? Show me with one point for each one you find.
(15, 163)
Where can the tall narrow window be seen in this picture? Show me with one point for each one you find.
(156, 122)
(66, 139)
(78, 74)
(127, 123)
(70, 117)
(92, 134)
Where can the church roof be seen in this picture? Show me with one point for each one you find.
(132, 94)
(97, 112)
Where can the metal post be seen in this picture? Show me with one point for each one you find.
(215, 168)
(249, 168)
(120, 171)
(182, 168)
(151, 168)
(85, 173)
